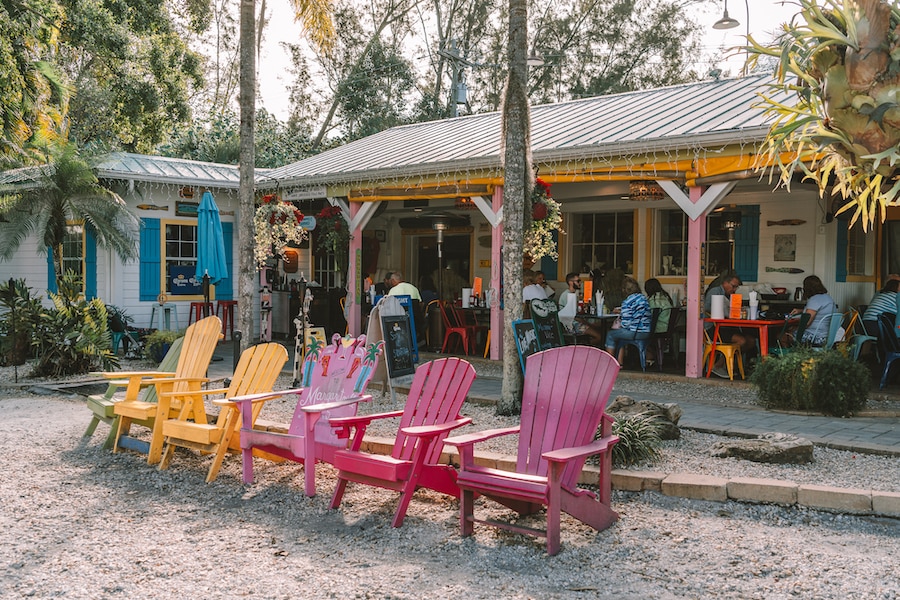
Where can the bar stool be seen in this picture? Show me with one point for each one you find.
(196, 311)
(227, 315)
(166, 311)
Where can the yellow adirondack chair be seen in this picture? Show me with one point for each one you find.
(102, 406)
(200, 341)
(256, 372)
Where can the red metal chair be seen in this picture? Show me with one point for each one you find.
(453, 328)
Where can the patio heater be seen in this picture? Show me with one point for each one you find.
(440, 226)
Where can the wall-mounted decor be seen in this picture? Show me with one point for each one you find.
(786, 247)
(186, 209)
(381, 235)
(186, 192)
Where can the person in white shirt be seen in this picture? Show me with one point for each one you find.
(532, 291)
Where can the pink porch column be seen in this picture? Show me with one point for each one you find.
(695, 289)
(496, 270)
(354, 281)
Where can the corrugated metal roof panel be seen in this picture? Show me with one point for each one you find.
(679, 116)
(140, 167)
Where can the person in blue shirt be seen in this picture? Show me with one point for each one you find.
(634, 315)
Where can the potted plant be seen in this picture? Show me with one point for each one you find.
(159, 342)
(276, 224)
(542, 219)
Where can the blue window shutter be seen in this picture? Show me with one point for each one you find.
(150, 259)
(90, 264)
(225, 288)
(746, 245)
(549, 266)
(840, 253)
(51, 274)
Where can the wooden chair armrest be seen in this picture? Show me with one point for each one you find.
(363, 419)
(224, 402)
(480, 436)
(434, 430)
(595, 447)
(317, 408)
(264, 396)
(170, 380)
(131, 374)
(195, 392)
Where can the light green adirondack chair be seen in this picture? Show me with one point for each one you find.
(103, 405)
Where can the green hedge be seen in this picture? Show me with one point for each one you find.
(828, 382)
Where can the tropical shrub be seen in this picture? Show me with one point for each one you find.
(73, 337)
(639, 439)
(829, 382)
(18, 318)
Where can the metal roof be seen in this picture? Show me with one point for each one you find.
(141, 167)
(161, 169)
(700, 116)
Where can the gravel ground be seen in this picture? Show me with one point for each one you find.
(80, 522)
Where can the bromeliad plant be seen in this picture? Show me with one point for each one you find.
(276, 224)
(842, 61)
(542, 219)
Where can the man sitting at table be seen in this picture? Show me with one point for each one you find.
(734, 335)
(403, 288)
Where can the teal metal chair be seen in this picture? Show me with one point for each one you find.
(834, 325)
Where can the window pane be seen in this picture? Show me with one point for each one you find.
(583, 229)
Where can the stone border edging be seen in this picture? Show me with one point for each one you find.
(704, 487)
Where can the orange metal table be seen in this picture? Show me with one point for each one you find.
(762, 325)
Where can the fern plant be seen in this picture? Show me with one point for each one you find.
(638, 439)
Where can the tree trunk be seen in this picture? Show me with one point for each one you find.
(516, 184)
(246, 264)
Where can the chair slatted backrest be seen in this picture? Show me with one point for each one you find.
(256, 371)
(168, 365)
(331, 373)
(564, 396)
(436, 396)
(200, 341)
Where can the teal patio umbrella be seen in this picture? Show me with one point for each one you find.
(211, 265)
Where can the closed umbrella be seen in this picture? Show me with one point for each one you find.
(211, 265)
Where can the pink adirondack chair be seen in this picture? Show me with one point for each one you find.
(438, 391)
(565, 393)
(333, 380)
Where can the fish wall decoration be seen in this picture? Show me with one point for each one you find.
(783, 270)
(790, 222)
(152, 207)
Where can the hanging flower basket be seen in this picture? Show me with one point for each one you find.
(276, 224)
(333, 235)
(543, 217)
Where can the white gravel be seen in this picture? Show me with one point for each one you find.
(80, 522)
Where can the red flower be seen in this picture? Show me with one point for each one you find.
(542, 185)
(539, 211)
(298, 215)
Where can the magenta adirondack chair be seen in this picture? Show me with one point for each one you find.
(564, 396)
(438, 391)
(333, 380)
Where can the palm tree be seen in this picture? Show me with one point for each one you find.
(315, 17)
(517, 183)
(66, 191)
(842, 61)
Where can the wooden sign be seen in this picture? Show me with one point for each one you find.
(546, 324)
(526, 340)
(398, 345)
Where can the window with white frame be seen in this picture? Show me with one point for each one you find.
(73, 251)
(857, 253)
(603, 241)
(181, 248)
(673, 242)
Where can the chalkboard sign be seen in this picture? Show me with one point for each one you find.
(398, 342)
(546, 324)
(526, 340)
(406, 302)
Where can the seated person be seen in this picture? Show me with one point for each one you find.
(635, 315)
(399, 287)
(820, 306)
(884, 301)
(658, 298)
(532, 291)
(728, 283)
(541, 280)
